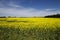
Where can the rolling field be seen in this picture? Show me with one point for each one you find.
(29, 28)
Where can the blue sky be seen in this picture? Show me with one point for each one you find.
(29, 7)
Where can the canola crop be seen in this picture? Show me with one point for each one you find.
(29, 28)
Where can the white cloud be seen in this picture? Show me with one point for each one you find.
(50, 9)
(25, 12)
(17, 10)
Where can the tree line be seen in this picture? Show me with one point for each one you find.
(53, 16)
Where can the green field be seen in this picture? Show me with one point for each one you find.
(29, 28)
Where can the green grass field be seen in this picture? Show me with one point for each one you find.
(29, 28)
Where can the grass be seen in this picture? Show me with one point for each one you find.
(29, 28)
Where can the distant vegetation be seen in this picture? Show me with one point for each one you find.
(53, 16)
(2, 16)
(8, 17)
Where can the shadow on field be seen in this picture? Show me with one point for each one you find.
(17, 21)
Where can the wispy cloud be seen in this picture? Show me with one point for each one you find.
(11, 9)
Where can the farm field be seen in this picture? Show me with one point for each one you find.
(29, 28)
